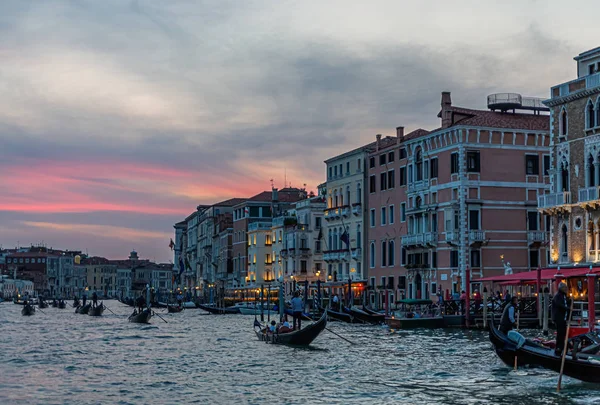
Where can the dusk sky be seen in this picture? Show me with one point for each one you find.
(118, 118)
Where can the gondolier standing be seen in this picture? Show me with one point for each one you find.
(94, 299)
(508, 321)
(297, 307)
(560, 309)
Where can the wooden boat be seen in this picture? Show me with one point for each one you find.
(219, 310)
(97, 310)
(84, 309)
(365, 317)
(302, 337)
(172, 309)
(371, 312)
(28, 310)
(42, 304)
(342, 316)
(142, 317)
(412, 323)
(305, 316)
(584, 367)
(62, 305)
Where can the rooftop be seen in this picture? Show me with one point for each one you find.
(491, 119)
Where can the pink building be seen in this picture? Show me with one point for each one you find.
(462, 195)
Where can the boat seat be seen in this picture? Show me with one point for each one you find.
(516, 338)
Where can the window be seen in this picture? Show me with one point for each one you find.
(330, 173)
(372, 282)
(401, 282)
(383, 216)
(546, 165)
(383, 182)
(473, 161)
(534, 259)
(532, 221)
(532, 164)
(433, 168)
(372, 184)
(454, 163)
(473, 219)
(358, 165)
(383, 253)
(475, 258)
(433, 288)
(372, 217)
(372, 255)
(391, 253)
(391, 179)
(433, 260)
(403, 176)
(391, 214)
(347, 167)
(403, 212)
(303, 266)
(318, 224)
(419, 165)
(27, 260)
(335, 171)
(454, 258)
(563, 122)
(358, 193)
(382, 159)
(402, 153)
(590, 115)
(371, 162)
(434, 225)
(9, 261)
(391, 156)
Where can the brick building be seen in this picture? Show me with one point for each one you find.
(460, 195)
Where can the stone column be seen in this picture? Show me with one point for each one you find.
(587, 175)
(597, 172)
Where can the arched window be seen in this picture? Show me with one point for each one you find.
(563, 121)
(358, 237)
(391, 253)
(590, 115)
(335, 237)
(591, 172)
(341, 197)
(358, 193)
(372, 255)
(598, 111)
(419, 164)
(335, 198)
(565, 242)
(383, 253)
(341, 245)
(564, 173)
(330, 240)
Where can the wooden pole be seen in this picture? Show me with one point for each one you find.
(564, 353)
(545, 309)
(539, 295)
(468, 296)
(485, 308)
(262, 308)
(591, 288)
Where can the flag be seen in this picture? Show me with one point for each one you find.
(320, 234)
(181, 266)
(187, 264)
(247, 211)
(171, 244)
(345, 238)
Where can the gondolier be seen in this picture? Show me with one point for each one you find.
(508, 321)
(297, 308)
(560, 309)
(94, 299)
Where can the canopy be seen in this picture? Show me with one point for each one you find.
(415, 302)
(547, 274)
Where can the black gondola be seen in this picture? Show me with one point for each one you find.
(371, 312)
(142, 317)
(172, 309)
(218, 310)
(365, 317)
(535, 355)
(84, 309)
(302, 337)
(62, 305)
(42, 304)
(342, 316)
(305, 316)
(97, 310)
(28, 310)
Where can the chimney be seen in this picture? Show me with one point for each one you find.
(446, 111)
(399, 134)
(378, 136)
(274, 195)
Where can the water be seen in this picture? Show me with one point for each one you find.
(66, 358)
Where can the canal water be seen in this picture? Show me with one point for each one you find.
(64, 358)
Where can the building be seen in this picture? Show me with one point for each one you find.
(134, 274)
(101, 276)
(458, 196)
(223, 248)
(191, 252)
(572, 203)
(10, 288)
(260, 252)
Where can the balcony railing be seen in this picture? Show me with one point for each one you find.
(331, 255)
(417, 186)
(554, 200)
(534, 237)
(345, 211)
(356, 253)
(357, 209)
(476, 236)
(589, 194)
(452, 237)
(420, 239)
(579, 84)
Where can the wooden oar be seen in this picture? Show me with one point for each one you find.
(105, 307)
(341, 337)
(564, 353)
(159, 316)
(518, 318)
(41, 311)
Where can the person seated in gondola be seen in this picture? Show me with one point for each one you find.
(508, 320)
(272, 328)
(94, 299)
(285, 327)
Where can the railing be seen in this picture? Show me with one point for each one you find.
(476, 236)
(554, 200)
(330, 255)
(343, 255)
(581, 83)
(258, 226)
(588, 194)
(356, 209)
(418, 186)
(345, 211)
(356, 253)
(536, 237)
(452, 236)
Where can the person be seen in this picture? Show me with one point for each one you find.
(84, 299)
(560, 310)
(508, 320)
(297, 307)
(180, 299)
(141, 303)
(272, 328)
(284, 327)
(507, 296)
(76, 302)
(336, 302)
(94, 299)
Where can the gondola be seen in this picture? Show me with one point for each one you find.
(371, 312)
(305, 316)
(342, 316)
(42, 304)
(28, 310)
(585, 367)
(173, 309)
(142, 317)
(97, 310)
(219, 310)
(62, 305)
(84, 309)
(302, 337)
(365, 317)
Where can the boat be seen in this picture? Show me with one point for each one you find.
(365, 317)
(305, 316)
(342, 316)
(142, 317)
(220, 310)
(62, 305)
(28, 310)
(189, 304)
(585, 366)
(371, 312)
(84, 309)
(302, 337)
(174, 309)
(97, 310)
(254, 308)
(420, 314)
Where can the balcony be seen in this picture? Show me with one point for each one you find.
(356, 253)
(554, 201)
(292, 251)
(536, 238)
(345, 211)
(417, 186)
(476, 237)
(343, 255)
(575, 86)
(356, 209)
(329, 214)
(305, 251)
(452, 237)
(283, 253)
(420, 240)
(589, 196)
(331, 255)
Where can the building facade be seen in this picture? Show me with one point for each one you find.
(463, 195)
(572, 204)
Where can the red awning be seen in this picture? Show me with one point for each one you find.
(547, 274)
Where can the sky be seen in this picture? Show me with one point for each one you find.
(118, 118)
